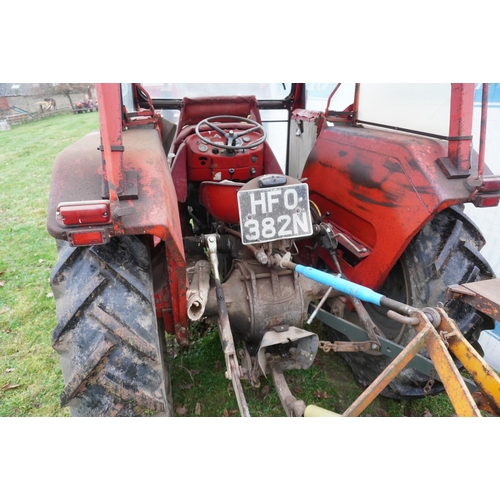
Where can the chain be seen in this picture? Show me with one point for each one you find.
(326, 346)
(430, 382)
(443, 334)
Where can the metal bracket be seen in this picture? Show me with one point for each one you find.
(482, 295)
(129, 190)
(450, 170)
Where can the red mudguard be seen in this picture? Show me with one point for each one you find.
(77, 175)
(379, 188)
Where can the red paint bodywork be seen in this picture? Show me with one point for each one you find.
(220, 199)
(379, 187)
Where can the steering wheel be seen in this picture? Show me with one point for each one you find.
(233, 140)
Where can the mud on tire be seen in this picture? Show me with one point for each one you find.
(107, 335)
(445, 252)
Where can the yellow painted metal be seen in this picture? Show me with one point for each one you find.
(436, 341)
(457, 391)
(483, 375)
(316, 411)
(427, 336)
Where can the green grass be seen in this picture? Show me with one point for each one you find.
(200, 388)
(30, 375)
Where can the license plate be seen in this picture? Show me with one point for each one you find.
(274, 213)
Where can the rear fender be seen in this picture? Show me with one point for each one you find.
(150, 204)
(379, 188)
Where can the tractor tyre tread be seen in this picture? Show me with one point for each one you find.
(111, 354)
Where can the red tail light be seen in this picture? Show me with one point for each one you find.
(84, 213)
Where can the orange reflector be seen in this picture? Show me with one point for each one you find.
(85, 239)
(84, 213)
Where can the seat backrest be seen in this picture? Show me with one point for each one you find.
(195, 109)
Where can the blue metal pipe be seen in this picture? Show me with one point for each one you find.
(359, 291)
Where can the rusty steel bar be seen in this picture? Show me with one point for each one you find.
(402, 319)
(330, 98)
(478, 182)
(372, 330)
(355, 105)
(226, 337)
(482, 295)
(319, 306)
(293, 407)
(457, 391)
(483, 404)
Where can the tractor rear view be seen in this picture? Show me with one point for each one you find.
(259, 214)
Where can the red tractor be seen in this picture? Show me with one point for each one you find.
(161, 224)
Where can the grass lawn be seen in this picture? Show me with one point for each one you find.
(30, 376)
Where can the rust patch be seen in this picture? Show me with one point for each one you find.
(325, 165)
(366, 199)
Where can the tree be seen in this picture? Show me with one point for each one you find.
(67, 89)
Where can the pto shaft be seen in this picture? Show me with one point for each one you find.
(347, 287)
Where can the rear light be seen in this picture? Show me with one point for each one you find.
(483, 201)
(86, 239)
(84, 213)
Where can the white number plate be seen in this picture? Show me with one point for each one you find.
(274, 213)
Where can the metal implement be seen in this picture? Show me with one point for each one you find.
(388, 348)
(427, 336)
(436, 341)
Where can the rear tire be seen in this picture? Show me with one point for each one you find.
(445, 252)
(111, 353)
